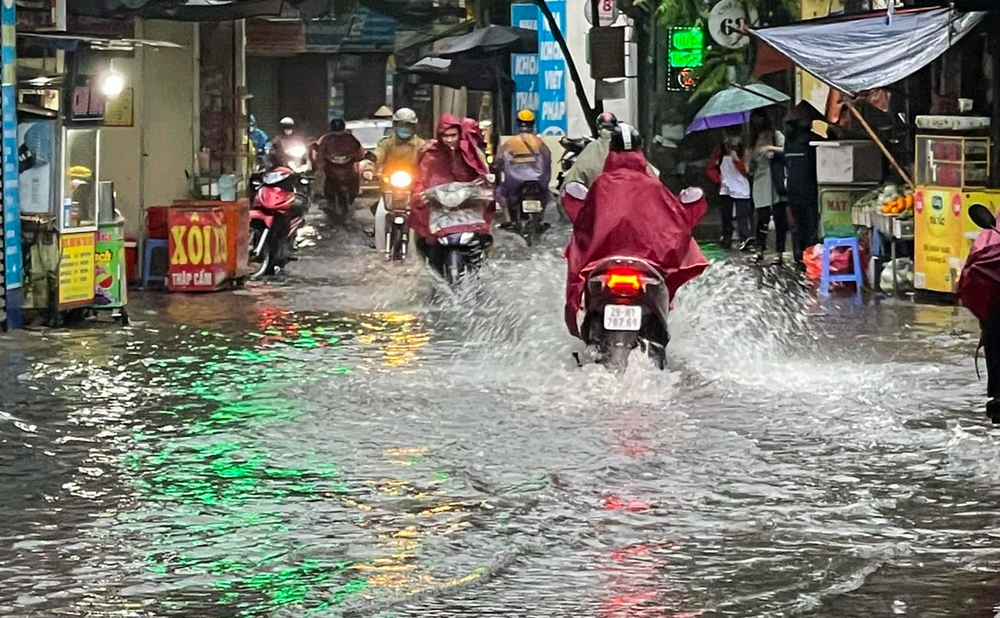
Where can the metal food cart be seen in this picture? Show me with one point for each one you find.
(951, 172)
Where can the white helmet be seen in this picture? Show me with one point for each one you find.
(287, 122)
(405, 115)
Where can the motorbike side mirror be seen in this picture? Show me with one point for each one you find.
(576, 190)
(692, 195)
(982, 217)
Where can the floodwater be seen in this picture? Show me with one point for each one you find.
(351, 440)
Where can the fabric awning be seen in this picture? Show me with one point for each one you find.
(853, 55)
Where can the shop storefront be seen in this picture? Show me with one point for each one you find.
(919, 206)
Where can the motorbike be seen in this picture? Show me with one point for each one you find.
(392, 215)
(571, 150)
(458, 222)
(626, 303)
(278, 212)
(339, 199)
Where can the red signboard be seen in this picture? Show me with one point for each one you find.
(198, 249)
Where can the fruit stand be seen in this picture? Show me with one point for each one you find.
(951, 172)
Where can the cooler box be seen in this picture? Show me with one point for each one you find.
(848, 162)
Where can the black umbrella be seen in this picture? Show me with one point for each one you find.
(471, 73)
(490, 41)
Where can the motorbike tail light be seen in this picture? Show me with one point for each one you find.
(623, 282)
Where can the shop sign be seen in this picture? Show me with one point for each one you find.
(118, 112)
(76, 269)
(685, 54)
(88, 103)
(540, 79)
(835, 211)
(198, 250)
(728, 21)
(109, 270)
(524, 67)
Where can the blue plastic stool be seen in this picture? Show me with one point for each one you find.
(856, 277)
(151, 245)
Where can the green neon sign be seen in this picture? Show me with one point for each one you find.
(687, 47)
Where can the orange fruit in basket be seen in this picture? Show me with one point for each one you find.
(909, 201)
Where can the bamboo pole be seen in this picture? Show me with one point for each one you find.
(878, 142)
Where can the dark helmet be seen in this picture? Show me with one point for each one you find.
(607, 121)
(625, 137)
(337, 125)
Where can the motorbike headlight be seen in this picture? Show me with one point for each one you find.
(400, 179)
(296, 151)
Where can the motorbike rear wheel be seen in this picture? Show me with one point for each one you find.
(615, 348)
(260, 263)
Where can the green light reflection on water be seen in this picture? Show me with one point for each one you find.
(217, 469)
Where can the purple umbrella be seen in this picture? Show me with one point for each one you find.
(733, 105)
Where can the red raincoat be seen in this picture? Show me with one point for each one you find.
(628, 212)
(979, 285)
(440, 165)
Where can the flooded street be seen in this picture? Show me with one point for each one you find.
(353, 440)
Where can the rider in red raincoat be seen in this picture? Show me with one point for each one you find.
(452, 157)
(628, 212)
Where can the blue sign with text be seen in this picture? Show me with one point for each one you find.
(540, 79)
(524, 67)
(552, 74)
(8, 120)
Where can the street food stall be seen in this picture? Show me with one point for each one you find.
(951, 172)
(73, 237)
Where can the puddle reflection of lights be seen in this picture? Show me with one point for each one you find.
(397, 336)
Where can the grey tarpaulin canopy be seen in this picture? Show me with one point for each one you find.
(859, 54)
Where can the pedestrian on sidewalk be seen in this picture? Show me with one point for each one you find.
(727, 168)
(767, 174)
(800, 159)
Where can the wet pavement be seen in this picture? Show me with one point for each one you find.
(353, 440)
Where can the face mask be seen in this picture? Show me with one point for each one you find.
(288, 131)
(404, 134)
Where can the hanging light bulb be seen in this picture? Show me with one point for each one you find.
(112, 83)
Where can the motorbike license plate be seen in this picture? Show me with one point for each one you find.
(622, 317)
(399, 220)
(531, 206)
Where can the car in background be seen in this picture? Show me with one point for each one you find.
(369, 132)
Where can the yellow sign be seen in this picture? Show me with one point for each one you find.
(989, 198)
(76, 269)
(118, 111)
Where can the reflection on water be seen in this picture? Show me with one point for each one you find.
(429, 453)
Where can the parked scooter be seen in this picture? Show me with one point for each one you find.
(277, 214)
(458, 222)
(392, 230)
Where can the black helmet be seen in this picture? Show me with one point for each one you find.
(607, 120)
(625, 138)
(337, 125)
